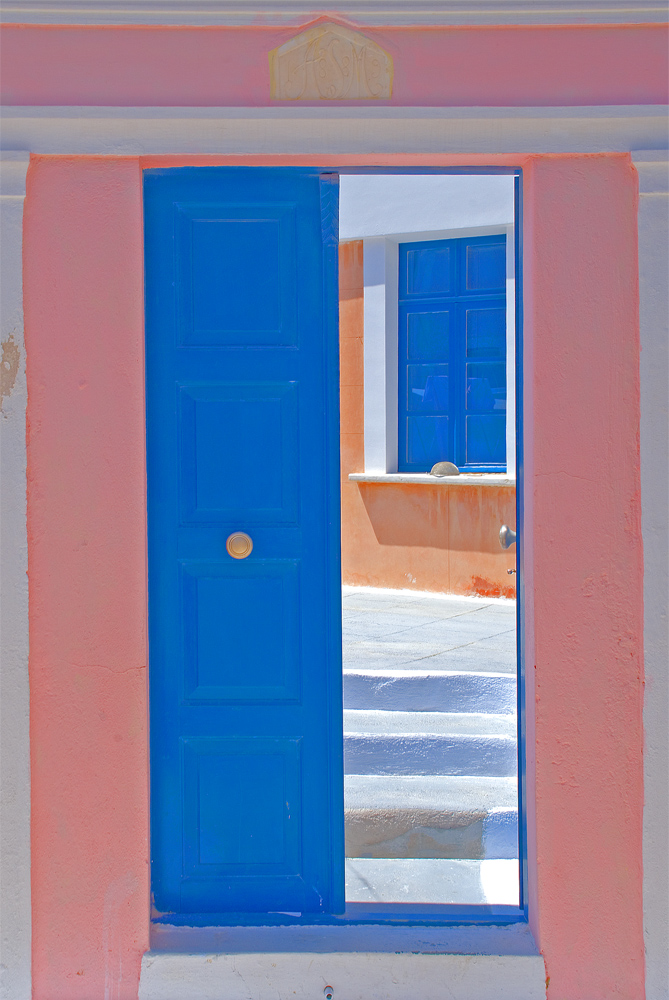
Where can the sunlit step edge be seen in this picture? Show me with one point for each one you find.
(430, 692)
(430, 754)
(428, 880)
(379, 721)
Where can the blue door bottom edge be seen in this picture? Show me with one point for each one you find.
(356, 913)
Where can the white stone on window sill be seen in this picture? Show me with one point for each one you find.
(464, 479)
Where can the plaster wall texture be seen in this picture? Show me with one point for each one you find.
(582, 472)
(436, 66)
(379, 204)
(86, 528)
(468, 129)
(427, 537)
(86, 531)
(14, 692)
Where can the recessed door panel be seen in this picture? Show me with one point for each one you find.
(429, 272)
(243, 807)
(486, 333)
(485, 267)
(241, 636)
(237, 274)
(427, 334)
(240, 453)
(427, 439)
(485, 438)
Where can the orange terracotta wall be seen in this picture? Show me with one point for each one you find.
(402, 535)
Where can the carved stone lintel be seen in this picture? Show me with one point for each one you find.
(330, 63)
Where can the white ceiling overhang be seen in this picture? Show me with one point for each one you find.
(364, 12)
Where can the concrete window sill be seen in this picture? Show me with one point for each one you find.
(464, 479)
(393, 963)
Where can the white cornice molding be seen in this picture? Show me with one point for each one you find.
(364, 12)
(13, 170)
(653, 168)
(333, 131)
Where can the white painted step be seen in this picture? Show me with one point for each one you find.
(428, 723)
(434, 792)
(380, 742)
(426, 691)
(431, 816)
(462, 651)
(432, 880)
(392, 970)
(421, 754)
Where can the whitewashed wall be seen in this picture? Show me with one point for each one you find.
(383, 204)
(15, 933)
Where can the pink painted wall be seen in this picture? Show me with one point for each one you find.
(86, 514)
(581, 316)
(447, 67)
(86, 510)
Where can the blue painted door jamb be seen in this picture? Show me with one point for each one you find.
(160, 240)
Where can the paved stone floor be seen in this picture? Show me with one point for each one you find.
(407, 630)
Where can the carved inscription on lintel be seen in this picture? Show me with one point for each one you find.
(330, 63)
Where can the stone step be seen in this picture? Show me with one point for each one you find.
(432, 880)
(451, 653)
(430, 691)
(359, 720)
(430, 816)
(420, 754)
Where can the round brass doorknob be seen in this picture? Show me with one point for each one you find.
(239, 545)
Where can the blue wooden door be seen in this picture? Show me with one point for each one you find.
(242, 436)
(452, 354)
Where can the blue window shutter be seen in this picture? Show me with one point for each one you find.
(452, 354)
(242, 435)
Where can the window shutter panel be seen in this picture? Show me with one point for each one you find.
(452, 354)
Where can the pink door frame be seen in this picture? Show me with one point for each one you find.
(583, 567)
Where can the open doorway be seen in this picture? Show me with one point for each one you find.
(427, 359)
(244, 565)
